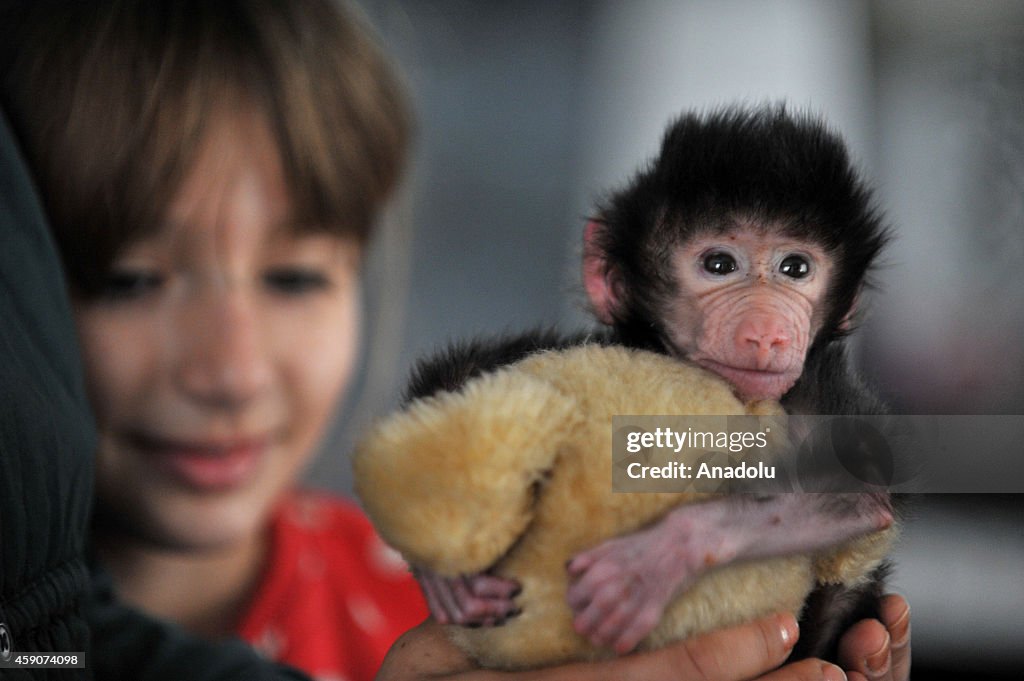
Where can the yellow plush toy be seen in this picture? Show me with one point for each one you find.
(513, 474)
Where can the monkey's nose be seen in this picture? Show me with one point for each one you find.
(762, 340)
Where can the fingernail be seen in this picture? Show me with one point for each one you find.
(789, 630)
(832, 672)
(878, 661)
(901, 630)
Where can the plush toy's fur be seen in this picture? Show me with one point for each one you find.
(513, 474)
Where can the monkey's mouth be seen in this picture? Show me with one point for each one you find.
(752, 384)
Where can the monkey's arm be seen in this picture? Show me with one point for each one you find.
(622, 586)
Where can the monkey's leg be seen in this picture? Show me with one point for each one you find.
(469, 600)
(621, 587)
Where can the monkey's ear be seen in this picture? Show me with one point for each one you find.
(599, 276)
(849, 320)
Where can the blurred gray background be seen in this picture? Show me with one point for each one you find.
(529, 109)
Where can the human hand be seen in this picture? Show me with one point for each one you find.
(471, 600)
(879, 650)
(749, 651)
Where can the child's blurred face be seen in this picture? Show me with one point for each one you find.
(218, 351)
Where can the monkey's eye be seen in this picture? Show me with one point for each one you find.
(719, 263)
(795, 266)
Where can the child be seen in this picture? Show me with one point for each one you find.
(212, 172)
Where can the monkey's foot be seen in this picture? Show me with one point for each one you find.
(469, 600)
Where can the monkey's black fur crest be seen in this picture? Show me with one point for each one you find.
(788, 172)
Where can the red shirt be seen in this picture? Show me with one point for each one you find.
(334, 597)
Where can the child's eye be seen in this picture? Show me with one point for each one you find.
(123, 284)
(296, 280)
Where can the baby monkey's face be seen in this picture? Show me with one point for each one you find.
(749, 303)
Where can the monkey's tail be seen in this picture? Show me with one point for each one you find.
(450, 481)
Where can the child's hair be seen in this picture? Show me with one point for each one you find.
(112, 101)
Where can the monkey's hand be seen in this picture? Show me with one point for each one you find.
(620, 589)
(469, 600)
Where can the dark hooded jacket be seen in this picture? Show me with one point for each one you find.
(48, 600)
